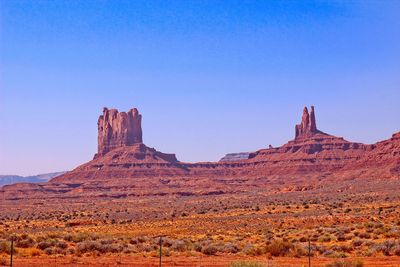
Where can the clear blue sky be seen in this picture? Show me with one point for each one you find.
(209, 77)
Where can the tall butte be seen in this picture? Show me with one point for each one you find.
(118, 129)
(308, 125)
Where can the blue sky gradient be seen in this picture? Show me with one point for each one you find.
(209, 77)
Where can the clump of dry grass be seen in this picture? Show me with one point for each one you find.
(346, 263)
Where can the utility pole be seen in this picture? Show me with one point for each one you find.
(160, 251)
(12, 251)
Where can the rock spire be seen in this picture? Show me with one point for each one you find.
(308, 126)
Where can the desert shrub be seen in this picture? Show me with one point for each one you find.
(59, 251)
(341, 248)
(106, 241)
(48, 250)
(299, 251)
(387, 247)
(198, 247)
(144, 247)
(346, 230)
(357, 242)
(33, 252)
(328, 253)
(61, 244)
(325, 238)
(96, 246)
(24, 241)
(342, 263)
(279, 248)
(5, 247)
(364, 235)
(67, 237)
(340, 237)
(80, 237)
(45, 244)
(165, 252)
(314, 238)
(209, 249)
(134, 241)
(253, 250)
(396, 250)
(320, 249)
(130, 249)
(392, 233)
(179, 245)
(230, 248)
(246, 264)
(303, 239)
(167, 242)
(88, 246)
(142, 239)
(339, 255)
(71, 251)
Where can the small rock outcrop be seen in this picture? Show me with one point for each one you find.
(308, 126)
(235, 157)
(118, 129)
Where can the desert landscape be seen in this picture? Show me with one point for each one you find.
(199, 133)
(318, 197)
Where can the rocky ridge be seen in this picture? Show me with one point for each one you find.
(312, 159)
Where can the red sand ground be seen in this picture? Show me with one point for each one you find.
(193, 261)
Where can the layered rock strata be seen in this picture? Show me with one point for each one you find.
(312, 158)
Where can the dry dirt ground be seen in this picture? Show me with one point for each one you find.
(344, 222)
(205, 261)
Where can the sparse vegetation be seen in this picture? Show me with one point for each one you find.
(270, 226)
(246, 264)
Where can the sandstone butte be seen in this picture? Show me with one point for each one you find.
(123, 165)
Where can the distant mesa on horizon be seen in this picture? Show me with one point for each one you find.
(39, 178)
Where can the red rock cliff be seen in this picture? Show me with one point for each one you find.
(118, 129)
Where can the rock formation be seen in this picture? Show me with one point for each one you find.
(118, 129)
(308, 126)
(313, 157)
(235, 157)
(312, 152)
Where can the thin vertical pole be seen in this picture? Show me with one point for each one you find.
(160, 251)
(12, 251)
(309, 253)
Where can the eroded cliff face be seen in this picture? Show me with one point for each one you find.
(118, 129)
(312, 153)
(124, 164)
